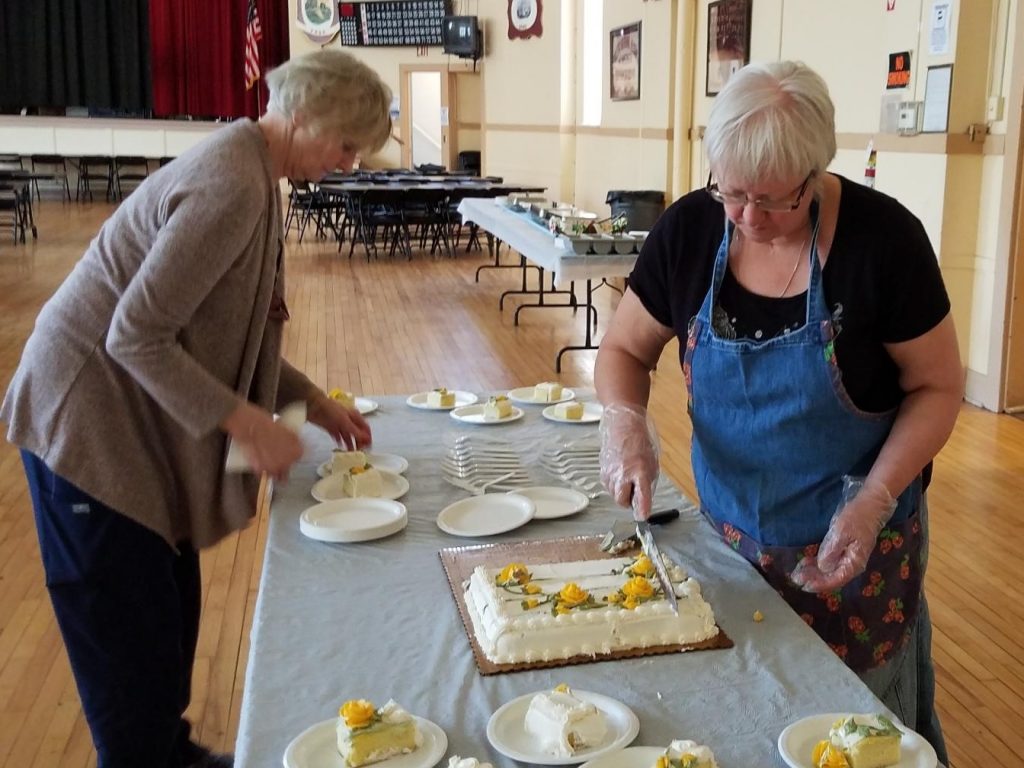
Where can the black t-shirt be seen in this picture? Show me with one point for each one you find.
(882, 284)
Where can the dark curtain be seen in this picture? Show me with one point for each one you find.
(75, 53)
(198, 55)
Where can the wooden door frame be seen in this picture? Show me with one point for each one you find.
(1009, 345)
(448, 73)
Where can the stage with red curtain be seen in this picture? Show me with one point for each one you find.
(197, 56)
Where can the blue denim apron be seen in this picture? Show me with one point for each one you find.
(773, 434)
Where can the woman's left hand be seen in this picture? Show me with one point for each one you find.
(851, 538)
(347, 427)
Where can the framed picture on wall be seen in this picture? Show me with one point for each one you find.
(728, 41)
(624, 62)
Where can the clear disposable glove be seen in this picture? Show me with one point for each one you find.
(863, 511)
(629, 456)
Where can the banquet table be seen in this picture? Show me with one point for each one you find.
(377, 620)
(538, 245)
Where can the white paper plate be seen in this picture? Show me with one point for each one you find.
(329, 489)
(591, 413)
(419, 400)
(364, 405)
(507, 734)
(630, 757)
(474, 414)
(486, 515)
(317, 747)
(797, 742)
(386, 462)
(524, 395)
(553, 501)
(349, 520)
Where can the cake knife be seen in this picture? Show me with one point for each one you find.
(650, 548)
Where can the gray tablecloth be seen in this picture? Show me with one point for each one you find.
(377, 620)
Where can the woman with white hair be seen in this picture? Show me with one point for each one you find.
(163, 343)
(822, 376)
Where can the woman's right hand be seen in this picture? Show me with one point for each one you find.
(629, 457)
(267, 445)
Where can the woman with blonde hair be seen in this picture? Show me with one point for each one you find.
(163, 344)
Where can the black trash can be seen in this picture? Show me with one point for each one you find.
(642, 207)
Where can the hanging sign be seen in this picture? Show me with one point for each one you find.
(899, 70)
(318, 19)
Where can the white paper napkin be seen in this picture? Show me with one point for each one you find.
(292, 416)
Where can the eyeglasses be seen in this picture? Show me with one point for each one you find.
(761, 203)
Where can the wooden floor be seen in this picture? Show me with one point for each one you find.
(398, 327)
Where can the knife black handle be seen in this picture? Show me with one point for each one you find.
(665, 516)
(657, 518)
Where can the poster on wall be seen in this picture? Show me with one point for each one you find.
(624, 62)
(728, 41)
(899, 70)
(318, 19)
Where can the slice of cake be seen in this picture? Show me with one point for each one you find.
(362, 481)
(866, 741)
(547, 392)
(368, 735)
(343, 461)
(466, 762)
(684, 753)
(571, 410)
(563, 724)
(549, 611)
(499, 407)
(345, 398)
(440, 398)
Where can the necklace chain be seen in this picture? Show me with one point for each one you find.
(796, 267)
(796, 263)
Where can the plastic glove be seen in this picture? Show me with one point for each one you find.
(862, 513)
(629, 456)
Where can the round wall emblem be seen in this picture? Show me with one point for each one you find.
(318, 19)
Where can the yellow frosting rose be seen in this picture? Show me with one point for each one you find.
(516, 572)
(638, 587)
(663, 762)
(826, 755)
(572, 595)
(642, 567)
(357, 713)
(630, 603)
(532, 589)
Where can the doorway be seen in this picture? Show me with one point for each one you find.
(434, 100)
(425, 111)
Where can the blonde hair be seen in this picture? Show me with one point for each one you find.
(335, 92)
(773, 120)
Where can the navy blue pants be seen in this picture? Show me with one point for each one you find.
(128, 609)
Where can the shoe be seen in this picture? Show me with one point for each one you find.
(214, 760)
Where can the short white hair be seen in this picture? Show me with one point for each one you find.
(771, 121)
(335, 92)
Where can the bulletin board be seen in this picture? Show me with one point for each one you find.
(393, 22)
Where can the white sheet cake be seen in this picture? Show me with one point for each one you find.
(558, 610)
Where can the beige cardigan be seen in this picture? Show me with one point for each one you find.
(155, 337)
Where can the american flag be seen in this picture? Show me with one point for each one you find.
(253, 35)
